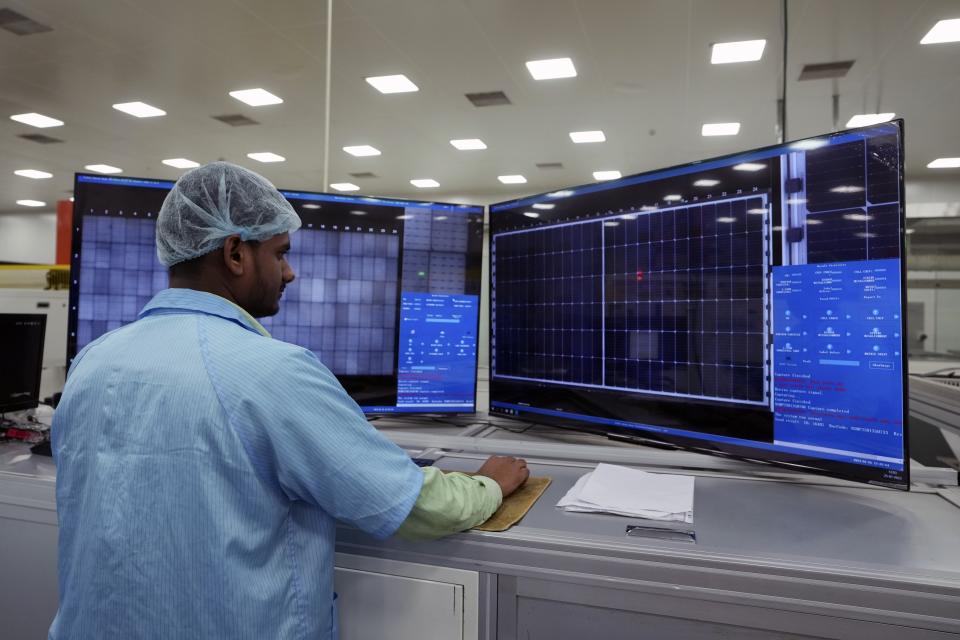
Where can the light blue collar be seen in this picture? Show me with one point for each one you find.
(180, 300)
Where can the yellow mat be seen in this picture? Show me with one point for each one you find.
(516, 505)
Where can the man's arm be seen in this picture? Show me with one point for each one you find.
(452, 502)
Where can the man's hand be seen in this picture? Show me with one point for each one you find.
(508, 472)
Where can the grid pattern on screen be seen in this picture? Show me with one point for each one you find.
(434, 251)
(342, 305)
(119, 273)
(853, 193)
(669, 302)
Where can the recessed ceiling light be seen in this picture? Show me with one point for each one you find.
(749, 166)
(867, 119)
(566, 193)
(814, 221)
(611, 223)
(587, 136)
(37, 120)
(180, 163)
(943, 31)
(648, 207)
(857, 217)
(424, 183)
(673, 197)
(551, 69)
(440, 218)
(606, 175)
(531, 214)
(909, 231)
(362, 150)
(404, 216)
(742, 51)
(265, 156)
(720, 129)
(543, 205)
(512, 179)
(629, 216)
(344, 186)
(256, 97)
(392, 84)
(757, 212)
(726, 219)
(847, 188)
(33, 173)
(468, 144)
(311, 205)
(31, 203)
(103, 168)
(357, 212)
(706, 182)
(797, 200)
(944, 163)
(139, 109)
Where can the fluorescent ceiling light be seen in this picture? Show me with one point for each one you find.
(139, 109)
(648, 207)
(560, 194)
(629, 216)
(440, 218)
(706, 183)
(256, 97)
(551, 69)
(424, 183)
(180, 163)
(311, 205)
(31, 203)
(857, 217)
(814, 221)
(362, 150)
(720, 129)
(726, 219)
(758, 212)
(847, 188)
(531, 214)
(265, 156)
(33, 173)
(742, 51)
(944, 163)
(344, 186)
(404, 216)
(606, 175)
(512, 179)
(867, 119)
(797, 201)
(865, 235)
(749, 166)
(673, 197)
(392, 84)
(468, 144)
(37, 120)
(358, 213)
(909, 231)
(611, 223)
(943, 31)
(103, 168)
(587, 136)
(543, 205)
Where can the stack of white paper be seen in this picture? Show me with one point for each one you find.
(631, 492)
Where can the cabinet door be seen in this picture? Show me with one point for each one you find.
(379, 605)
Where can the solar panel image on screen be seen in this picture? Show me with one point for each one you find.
(369, 272)
(750, 305)
(668, 301)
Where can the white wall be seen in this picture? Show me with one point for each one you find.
(29, 237)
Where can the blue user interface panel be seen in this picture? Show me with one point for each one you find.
(437, 352)
(357, 261)
(750, 305)
(836, 358)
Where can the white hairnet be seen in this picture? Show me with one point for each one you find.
(210, 203)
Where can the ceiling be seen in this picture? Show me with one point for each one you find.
(644, 78)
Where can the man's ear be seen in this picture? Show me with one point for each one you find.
(234, 255)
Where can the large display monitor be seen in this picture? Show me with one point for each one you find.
(21, 352)
(749, 305)
(386, 294)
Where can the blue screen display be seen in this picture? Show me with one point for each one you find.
(749, 305)
(357, 261)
